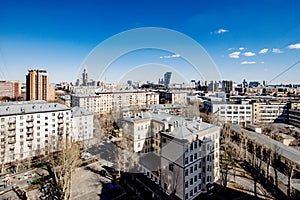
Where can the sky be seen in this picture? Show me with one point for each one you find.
(252, 40)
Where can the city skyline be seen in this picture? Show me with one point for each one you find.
(254, 40)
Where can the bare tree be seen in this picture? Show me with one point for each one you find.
(64, 165)
(125, 157)
(288, 171)
(192, 110)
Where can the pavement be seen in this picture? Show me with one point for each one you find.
(87, 183)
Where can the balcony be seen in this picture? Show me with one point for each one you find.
(60, 116)
(29, 131)
(29, 138)
(60, 121)
(29, 144)
(11, 128)
(11, 141)
(30, 125)
(29, 119)
(12, 148)
(13, 134)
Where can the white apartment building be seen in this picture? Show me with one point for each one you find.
(106, 102)
(29, 129)
(188, 150)
(268, 112)
(230, 112)
(82, 124)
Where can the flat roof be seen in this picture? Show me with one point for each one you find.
(27, 107)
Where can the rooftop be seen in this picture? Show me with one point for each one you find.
(77, 112)
(28, 107)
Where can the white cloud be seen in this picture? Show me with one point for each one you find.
(263, 51)
(275, 50)
(262, 62)
(229, 49)
(248, 62)
(235, 54)
(294, 46)
(249, 54)
(221, 30)
(241, 48)
(171, 56)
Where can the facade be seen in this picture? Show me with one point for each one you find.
(11, 89)
(106, 102)
(37, 85)
(172, 97)
(31, 129)
(294, 117)
(82, 124)
(227, 86)
(268, 112)
(188, 151)
(167, 79)
(235, 113)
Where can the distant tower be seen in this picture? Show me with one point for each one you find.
(167, 79)
(37, 85)
(227, 86)
(84, 78)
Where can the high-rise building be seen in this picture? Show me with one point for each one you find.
(227, 86)
(37, 85)
(167, 79)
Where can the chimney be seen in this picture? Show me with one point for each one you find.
(171, 128)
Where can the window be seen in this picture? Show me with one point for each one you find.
(191, 158)
(186, 184)
(195, 156)
(195, 167)
(199, 175)
(195, 144)
(191, 146)
(191, 169)
(186, 196)
(139, 145)
(195, 178)
(46, 118)
(191, 181)
(186, 172)
(171, 167)
(195, 190)
(191, 193)
(186, 161)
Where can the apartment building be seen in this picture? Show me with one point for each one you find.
(172, 97)
(187, 149)
(269, 111)
(235, 113)
(11, 89)
(106, 102)
(82, 124)
(29, 129)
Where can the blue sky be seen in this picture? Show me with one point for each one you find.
(253, 40)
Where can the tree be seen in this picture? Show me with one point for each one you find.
(192, 110)
(64, 164)
(288, 169)
(125, 157)
(275, 163)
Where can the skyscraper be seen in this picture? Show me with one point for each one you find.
(37, 85)
(167, 79)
